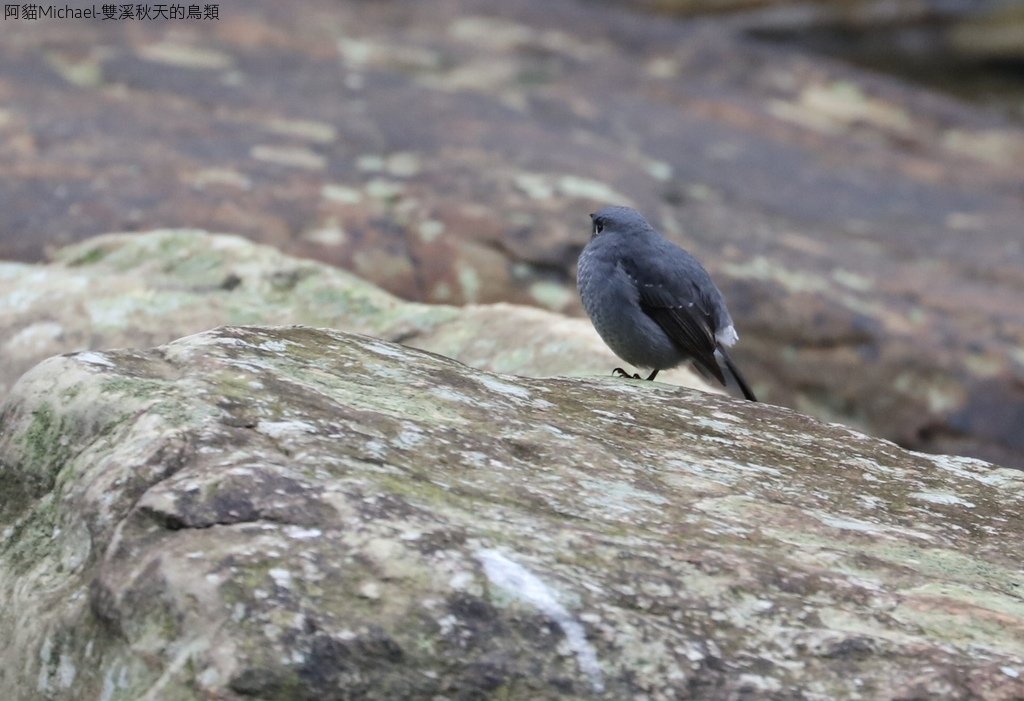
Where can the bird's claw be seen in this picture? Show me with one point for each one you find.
(619, 372)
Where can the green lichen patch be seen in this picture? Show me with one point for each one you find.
(89, 256)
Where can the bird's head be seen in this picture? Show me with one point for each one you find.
(617, 221)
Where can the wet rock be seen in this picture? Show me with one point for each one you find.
(971, 49)
(292, 513)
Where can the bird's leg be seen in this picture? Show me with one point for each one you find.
(619, 372)
(652, 375)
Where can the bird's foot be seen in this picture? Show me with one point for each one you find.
(619, 372)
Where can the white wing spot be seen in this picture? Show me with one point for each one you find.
(727, 336)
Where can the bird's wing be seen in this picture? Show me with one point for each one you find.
(677, 306)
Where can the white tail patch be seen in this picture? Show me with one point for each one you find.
(727, 336)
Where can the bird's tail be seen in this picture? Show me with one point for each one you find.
(734, 374)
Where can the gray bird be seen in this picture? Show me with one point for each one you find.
(652, 302)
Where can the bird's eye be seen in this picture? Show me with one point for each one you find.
(598, 226)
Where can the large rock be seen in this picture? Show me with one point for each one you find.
(291, 513)
(126, 290)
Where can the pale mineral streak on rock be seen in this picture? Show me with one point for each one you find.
(289, 156)
(341, 193)
(185, 56)
(278, 429)
(310, 130)
(520, 583)
(94, 358)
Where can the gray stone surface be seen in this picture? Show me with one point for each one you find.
(291, 513)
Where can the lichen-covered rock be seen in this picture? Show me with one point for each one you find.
(132, 290)
(290, 513)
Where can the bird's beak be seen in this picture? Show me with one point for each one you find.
(591, 215)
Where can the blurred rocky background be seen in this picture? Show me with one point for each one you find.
(851, 172)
